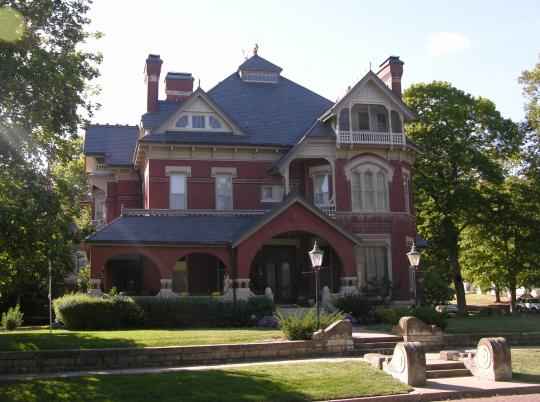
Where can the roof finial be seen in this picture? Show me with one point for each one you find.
(255, 49)
(370, 66)
(199, 83)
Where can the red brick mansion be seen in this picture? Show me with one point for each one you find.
(224, 192)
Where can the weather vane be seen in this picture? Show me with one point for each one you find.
(255, 49)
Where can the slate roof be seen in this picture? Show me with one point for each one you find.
(276, 114)
(258, 63)
(187, 229)
(115, 142)
(190, 137)
(165, 110)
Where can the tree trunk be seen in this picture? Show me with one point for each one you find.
(512, 298)
(453, 257)
(497, 294)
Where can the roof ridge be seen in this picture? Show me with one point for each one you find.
(111, 125)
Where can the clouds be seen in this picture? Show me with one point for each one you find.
(445, 43)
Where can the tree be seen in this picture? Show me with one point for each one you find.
(504, 250)
(462, 140)
(44, 100)
(530, 81)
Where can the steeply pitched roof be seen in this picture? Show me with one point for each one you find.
(277, 114)
(187, 229)
(115, 142)
(191, 137)
(258, 63)
(152, 120)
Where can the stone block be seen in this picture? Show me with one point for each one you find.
(340, 329)
(408, 363)
(493, 360)
(376, 359)
(451, 355)
(414, 330)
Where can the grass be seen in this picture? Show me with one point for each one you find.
(494, 324)
(474, 299)
(258, 383)
(40, 338)
(525, 365)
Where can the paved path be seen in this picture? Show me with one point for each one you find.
(516, 398)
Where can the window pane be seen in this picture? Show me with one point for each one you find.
(178, 184)
(177, 201)
(369, 191)
(198, 121)
(182, 121)
(357, 191)
(382, 196)
(396, 122)
(376, 264)
(363, 121)
(214, 123)
(344, 119)
(224, 192)
(321, 189)
(382, 124)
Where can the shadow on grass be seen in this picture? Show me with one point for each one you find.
(185, 386)
(63, 340)
(523, 377)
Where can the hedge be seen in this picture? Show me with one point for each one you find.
(426, 314)
(77, 311)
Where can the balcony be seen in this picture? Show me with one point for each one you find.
(369, 137)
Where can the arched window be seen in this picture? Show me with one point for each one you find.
(369, 188)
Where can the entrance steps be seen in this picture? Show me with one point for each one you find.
(446, 369)
(384, 345)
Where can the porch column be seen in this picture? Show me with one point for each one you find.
(332, 163)
(285, 173)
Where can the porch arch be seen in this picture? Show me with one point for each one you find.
(133, 274)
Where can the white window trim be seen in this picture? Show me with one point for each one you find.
(273, 186)
(218, 171)
(170, 170)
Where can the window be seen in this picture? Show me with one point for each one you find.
(182, 122)
(321, 189)
(224, 192)
(382, 123)
(198, 121)
(177, 198)
(369, 189)
(396, 122)
(99, 210)
(214, 123)
(344, 120)
(272, 193)
(376, 265)
(406, 193)
(363, 120)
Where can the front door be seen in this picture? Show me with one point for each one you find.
(274, 268)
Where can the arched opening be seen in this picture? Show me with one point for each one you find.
(133, 275)
(198, 274)
(283, 265)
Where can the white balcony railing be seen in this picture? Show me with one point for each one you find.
(329, 210)
(370, 137)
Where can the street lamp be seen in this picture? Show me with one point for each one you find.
(316, 257)
(414, 261)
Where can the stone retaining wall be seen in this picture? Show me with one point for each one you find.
(97, 359)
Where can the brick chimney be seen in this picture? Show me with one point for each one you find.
(152, 70)
(178, 86)
(390, 71)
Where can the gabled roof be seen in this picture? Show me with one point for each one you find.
(152, 120)
(382, 86)
(257, 63)
(201, 94)
(114, 142)
(186, 229)
(200, 138)
(286, 204)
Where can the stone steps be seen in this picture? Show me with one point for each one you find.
(446, 369)
(374, 345)
(361, 340)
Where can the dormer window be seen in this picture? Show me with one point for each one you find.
(259, 76)
(214, 123)
(198, 121)
(182, 122)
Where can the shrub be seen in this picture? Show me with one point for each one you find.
(426, 314)
(359, 306)
(201, 311)
(302, 325)
(80, 311)
(12, 319)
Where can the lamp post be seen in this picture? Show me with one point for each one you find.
(316, 257)
(414, 261)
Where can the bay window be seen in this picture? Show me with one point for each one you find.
(369, 189)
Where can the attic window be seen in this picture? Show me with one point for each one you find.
(182, 122)
(259, 76)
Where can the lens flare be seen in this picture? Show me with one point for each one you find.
(11, 25)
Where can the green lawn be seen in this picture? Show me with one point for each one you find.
(39, 339)
(494, 324)
(525, 364)
(277, 383)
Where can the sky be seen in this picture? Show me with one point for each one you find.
(479, 46)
